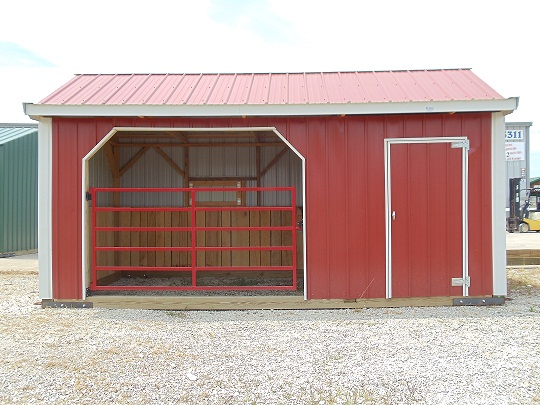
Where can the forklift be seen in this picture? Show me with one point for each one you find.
(521, 218)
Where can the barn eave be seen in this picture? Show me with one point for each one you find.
(205, 110)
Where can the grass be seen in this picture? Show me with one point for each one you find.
(524, 280)
(402, 391)
(177, 314)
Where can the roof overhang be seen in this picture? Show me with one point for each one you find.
(243, 110)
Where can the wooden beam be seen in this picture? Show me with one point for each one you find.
(124, 135)
(134, 160)
(112, 160)
(274, 161)
(257, 302)
(169, 160)
(222, 178)
(178, 135)
(198, 145)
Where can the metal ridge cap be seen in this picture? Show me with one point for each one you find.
(268, 72)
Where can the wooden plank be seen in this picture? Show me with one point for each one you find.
(261, 302)
(201, 238)
(109, 220)
(286, 238)
(143, 240)
(240, 238)
(160, 239)
(104, 239)
(254, 238)
(264, 217)
(215, 183)
(275, 238)
(124, 238)
(116, 235)
(213, 238)
(226, 239)
(523, 253)
(167, 238)
(175, 238)
(151, 238)
(184, 239)
(135, 237)
(101, 239)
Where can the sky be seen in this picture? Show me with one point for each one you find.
(43, 44)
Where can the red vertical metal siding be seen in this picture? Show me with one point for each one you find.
(344, 193)
(480, 240)
(66, 234)
(374, 154)
(338, 178)
(317, 210)
(359, 271)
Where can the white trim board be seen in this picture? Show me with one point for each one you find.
(45, 254)
(498, 204)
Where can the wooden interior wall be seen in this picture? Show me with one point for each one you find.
(209, 238)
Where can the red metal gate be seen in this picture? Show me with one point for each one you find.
(193, 210)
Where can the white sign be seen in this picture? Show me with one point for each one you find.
(515, 151)
(513, 134)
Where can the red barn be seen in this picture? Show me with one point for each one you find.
(294, 190)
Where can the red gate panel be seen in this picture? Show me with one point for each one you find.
(192, 231)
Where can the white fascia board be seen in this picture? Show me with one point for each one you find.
(240, 110)
(498, 201)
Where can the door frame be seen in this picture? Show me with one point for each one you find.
(455, 142)
(85, 186)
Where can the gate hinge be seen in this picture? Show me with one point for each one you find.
(88, 196)
(461, 144)
(463, 281)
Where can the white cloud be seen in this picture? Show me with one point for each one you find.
(495, 38)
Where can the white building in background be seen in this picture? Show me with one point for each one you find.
(517, 149)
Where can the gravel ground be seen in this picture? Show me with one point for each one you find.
(451, 355)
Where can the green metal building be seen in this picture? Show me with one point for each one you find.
(18, 188)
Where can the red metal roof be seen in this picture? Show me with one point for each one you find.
(273, 88)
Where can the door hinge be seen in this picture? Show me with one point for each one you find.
(88, 196)
(463, 281)
(461, 144)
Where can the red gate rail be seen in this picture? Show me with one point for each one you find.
(193, 268)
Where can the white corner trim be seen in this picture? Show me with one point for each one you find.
(45, 208)
(498, 196)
